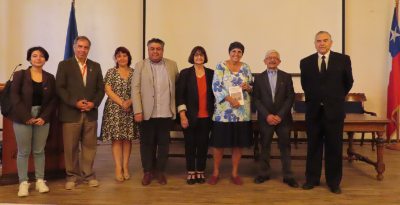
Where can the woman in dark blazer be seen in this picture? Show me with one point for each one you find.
(195, 101)
(33, 101)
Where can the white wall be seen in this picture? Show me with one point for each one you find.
(260, 25)
(28, 23)
(109, 24)
(368, 23)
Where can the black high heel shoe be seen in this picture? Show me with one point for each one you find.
(192, 178)
(201, 179)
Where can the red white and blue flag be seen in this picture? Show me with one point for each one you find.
(393, 97)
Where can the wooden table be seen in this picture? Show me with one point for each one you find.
(353, 123)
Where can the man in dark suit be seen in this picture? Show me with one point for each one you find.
(273, 97)
(326, 78)
(79, 84)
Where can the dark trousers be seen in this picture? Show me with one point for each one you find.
(322, 131)
(266, 135)
(155, 137)
(196, 144)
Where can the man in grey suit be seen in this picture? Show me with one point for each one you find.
(79, 84)
(273, 97)
(153, 99)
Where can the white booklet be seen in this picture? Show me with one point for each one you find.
(237, 94)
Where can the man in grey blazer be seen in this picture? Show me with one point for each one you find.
(79, 84)
(273, 97)
(153, 99)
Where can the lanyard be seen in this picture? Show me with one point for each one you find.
(84, 70)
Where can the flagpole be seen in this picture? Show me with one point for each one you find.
(397, 9)
(398, 112)
(396, 146)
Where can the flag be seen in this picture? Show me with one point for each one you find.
(72, 33)
(393, 98)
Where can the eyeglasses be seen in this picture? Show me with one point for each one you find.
(272, 58)
(199, 55)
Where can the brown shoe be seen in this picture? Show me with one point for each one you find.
(154, 175)
(146, 178)
(161, 179)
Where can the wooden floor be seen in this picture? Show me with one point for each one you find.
(359, 184)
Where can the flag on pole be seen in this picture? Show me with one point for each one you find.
(72, 33)
(393, 97)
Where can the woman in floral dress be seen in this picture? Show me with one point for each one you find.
(118, 120)
(232, 119)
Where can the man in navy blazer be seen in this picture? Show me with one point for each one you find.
(326, 78)
(273, 97)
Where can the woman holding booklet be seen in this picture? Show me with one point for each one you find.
(232, 85)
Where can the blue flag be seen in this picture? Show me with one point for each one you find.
(72, 33)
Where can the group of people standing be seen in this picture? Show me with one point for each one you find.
(143, 102)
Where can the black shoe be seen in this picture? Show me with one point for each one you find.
(336, 189)
(260, 179)
(192, 179)
(309, 185)
(291, 182)
(201, 179)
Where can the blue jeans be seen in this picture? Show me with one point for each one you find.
(31, 137)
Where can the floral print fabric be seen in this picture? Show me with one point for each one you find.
(117, 123)
(222, 81)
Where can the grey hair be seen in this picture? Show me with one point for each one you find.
(80, 38)
(155, 40)
(272, 51)
(323, 32)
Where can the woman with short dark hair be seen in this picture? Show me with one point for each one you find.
(33, 101)
(232, 128)
(118, 120)
(195, 101)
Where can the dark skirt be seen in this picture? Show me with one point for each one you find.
(232, 134)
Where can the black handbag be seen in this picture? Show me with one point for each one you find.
(5, 100)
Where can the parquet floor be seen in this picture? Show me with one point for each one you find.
(359, 184)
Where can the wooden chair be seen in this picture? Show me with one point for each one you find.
(355, 104)
(2, 85)
(298, 107)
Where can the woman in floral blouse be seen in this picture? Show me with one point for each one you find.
(232, 115)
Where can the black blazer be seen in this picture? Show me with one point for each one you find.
(187, 93)
(330, 89)
(70, 89)
(284, 97)
(21, 97)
